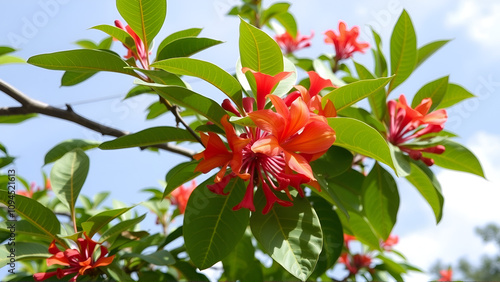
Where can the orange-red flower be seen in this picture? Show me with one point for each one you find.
(180, 196)
(81, 261)
(407, 125)
(273, 155)
(356, 262)
(446, 275)
(290, 44)
(348, 238)
(345, 41)
(391, 241)
(140, 53)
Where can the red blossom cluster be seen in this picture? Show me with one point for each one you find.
(180, 196)
(140, 53)
(34, 188)
(276, 153)
(290, 44)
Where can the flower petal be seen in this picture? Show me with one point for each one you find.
(299, 164)
(316, 137)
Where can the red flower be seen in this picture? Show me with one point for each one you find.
(356, 262)
(77, 261)
(391, 241)
(181, 195)
(272, 156)
(345, 42)
(348, 238)
(140, 53)
(446, 275)
(290, 44)
(406, 124)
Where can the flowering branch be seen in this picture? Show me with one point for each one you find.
(31, 106)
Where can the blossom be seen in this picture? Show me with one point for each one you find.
(34, 188)
(290, 44)
(81, 261)
(348, 238)
(446, 275)
(181, 195)
(273, 155)
(345, 41)
(356, 262)
(391, 241)
(140, 53)
(407, 125)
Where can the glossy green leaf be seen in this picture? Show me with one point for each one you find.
(348, 187)
(427, 50)
(426, 183)
(37, 214)
(190, 99)
(96, 222)
(212, 229)
(454, 94)
(329, 194)
(189, 271)
(148, 137)
(364, 116)
(380, 61)
(206, 71)
(334, 162)
(118, 34)
(191, 32)
(23, 251)
(241, 263)
(163, 77)
(120, 227)
(435, 90)
(24, 227)
(83, 60)
(179, 175)
(6, 161)
(145, 17)
(68, 175)
(288, 22)
(401, 161)
(16, 118)
(8, 59)
(71, 78)
(185, 47)
(161, 257)
(359, 137)
(364, 231)
(378, 99)
(259, 51)
(274, 10)
(105, 43)
(349, 94)
(403, 50)
(155, 110)
(457, 157)
(333, 235)
(381, 200)
(87, 44)
(138, 90)
(292, 236)
(327, 73)
(64, 147)
(6, 50)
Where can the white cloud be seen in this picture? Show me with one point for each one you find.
(479, 19)
(470, 201)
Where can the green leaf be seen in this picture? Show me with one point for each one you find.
(288, 22)
(457, 157)
(105, 43)
(179, 175)
(292, 236)
(191, 32)
(163, 77)
(23, 251)
(241, 263)
(96, 222)
(378, 99)
(359, 137)
(335, 161)
(8, 59)
(333, 235)
(145, 17)
(348, 187)
(189, 271)
(6, 161)
(426, 183)
(137, 90)
(190, 99)
(162, 257)
(454, 94)
(364, 231)
(326, 72)
(401, 161)
(24, 227)
(37, 214)
(6, 50)
(155, 110)
(364, 116)
(68, 175)
(212, 229)
(71, 78)
(64, 147)
(87, 44)
(84, 60)
(380, 61)
(120, 227)
(259, 51)
(206, 71)
(274, 10)
(436, 90)
(427, 50)
(185, 47)
(148, 137)
(16, 118)
(349, 94)
(381, 200)
(403, 50)
(119, 34)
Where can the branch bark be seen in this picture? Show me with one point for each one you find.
(31, 106)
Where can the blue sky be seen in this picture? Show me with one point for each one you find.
(471, 59)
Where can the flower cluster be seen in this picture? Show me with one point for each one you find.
(140, 53)
(276, 153)
(82, 261)
(354, 263)
(180, 196)
(34, 188)
(345, 41)
(446, 275)
(407, 126)
(290, 44)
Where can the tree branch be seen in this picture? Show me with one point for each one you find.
(31, 106)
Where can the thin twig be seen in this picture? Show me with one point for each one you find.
(31, 106)
(178, 119)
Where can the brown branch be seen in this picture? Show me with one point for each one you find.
(32, 106)
(178, 119)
